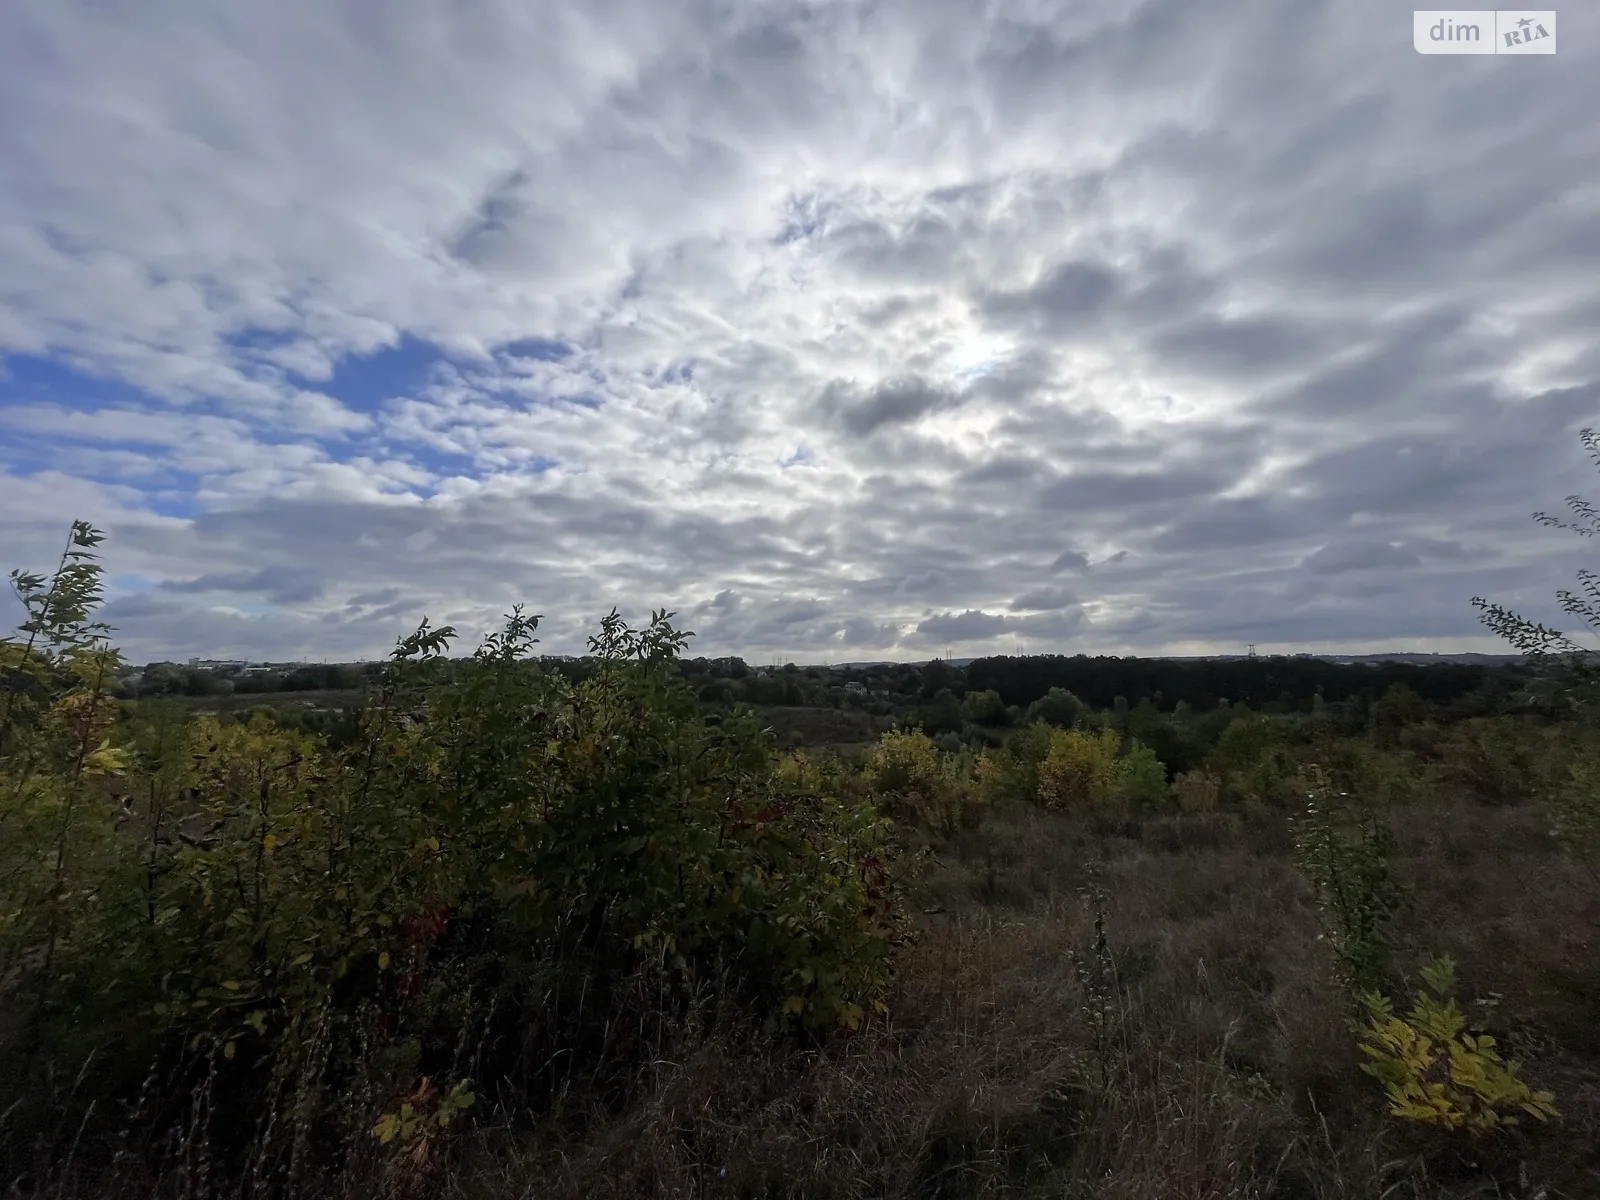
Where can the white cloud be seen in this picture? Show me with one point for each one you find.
(875, 316)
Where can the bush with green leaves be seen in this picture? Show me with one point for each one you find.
(925, 781)
(1057, 707)
(1344, 854)
(1080, 770)
(1490, 759)
(1575, 799)
(1011, 773)
(1142, 779)
(984, 708)
(498, 846)
(1254, 760)
(1436, 1072)
(1566, 678)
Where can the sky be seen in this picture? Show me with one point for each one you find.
(844, 330)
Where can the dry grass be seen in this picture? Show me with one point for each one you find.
(1230, 1068)
(1232, 1073)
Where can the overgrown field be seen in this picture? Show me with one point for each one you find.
(513, 932)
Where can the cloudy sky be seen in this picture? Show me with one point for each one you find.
(846, 330)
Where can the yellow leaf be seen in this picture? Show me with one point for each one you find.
(227, 1051)
(383, 961)
(270, 843)
(231, 985)
(106, 759)
(794, 1004)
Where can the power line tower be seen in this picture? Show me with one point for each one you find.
(1252, 650)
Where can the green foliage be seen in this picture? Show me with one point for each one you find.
(904, 763)
(411, 1130)
(1080, 770)
(985, 708)
(56, 834)
(1345, 857)
(1397, 708)
(496, 838)
(1142, 779)
(1011, 774)
(1253, 760)
(935, 786)
(1057, 707)
(1575, 801)
(1435, 1072)
(1490, 759)
(1566, 675)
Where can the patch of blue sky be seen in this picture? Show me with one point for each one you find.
(799, 458)
(172, 502)
(26, 457)
(365, 382)
(123, 462)
(34, 379)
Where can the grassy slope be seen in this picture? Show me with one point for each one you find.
(1231, 1073)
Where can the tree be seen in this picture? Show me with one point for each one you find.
(944, 715)
(1564, 663)
(1398, 708)
(1142, 778)
(1080, 770)
(1057, 707)
(985, 708)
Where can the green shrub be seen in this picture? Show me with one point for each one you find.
(1345, 857)
(1491, 760)
(1575, 801)
(498, 844)
(1253, 761)
(1080, 770)
(1011, 774)
(924, 782)
(1142, 779)
(1057, 707)
(1435, 1072)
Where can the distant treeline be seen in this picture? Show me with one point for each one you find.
(175, 679)
(1284, 683)
(1203, 683)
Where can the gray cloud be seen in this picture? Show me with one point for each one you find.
(896, 401)
(879, 326)
(969, 626)
(1045, 599)
(286, 586)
